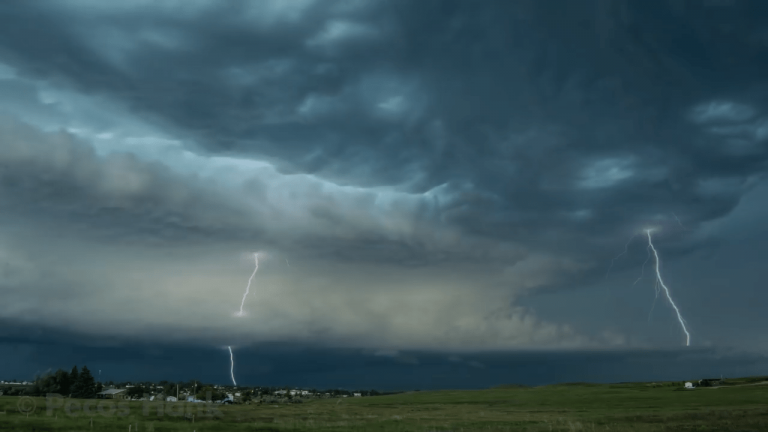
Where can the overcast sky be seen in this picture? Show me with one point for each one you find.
(445, 179)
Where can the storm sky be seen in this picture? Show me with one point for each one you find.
(421, 179)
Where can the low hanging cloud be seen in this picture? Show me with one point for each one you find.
(421, 308)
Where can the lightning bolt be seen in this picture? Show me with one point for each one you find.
(248, 288)
(241, 313)
(232, 365)
(657, 288)
(660, 282)
(678, 221)
(642, 269)
(626, 248)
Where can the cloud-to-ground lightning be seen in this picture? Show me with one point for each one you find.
(248, 288)
(232, 366)
(241, 313)
(660, 282)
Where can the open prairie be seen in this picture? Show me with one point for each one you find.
(565, 407)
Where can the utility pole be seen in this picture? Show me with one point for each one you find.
(177, 392)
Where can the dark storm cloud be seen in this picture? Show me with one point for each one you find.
(50, 177)
(280, 364)
(469, 146)
(538, 115)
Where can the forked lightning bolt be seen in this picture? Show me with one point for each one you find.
(248, 288)
(241, 313)
(642, 269)
(660, 282)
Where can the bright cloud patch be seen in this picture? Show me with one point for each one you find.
(606, 173)
(721, 111)
(337, 33)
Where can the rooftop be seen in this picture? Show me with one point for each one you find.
(112, 391)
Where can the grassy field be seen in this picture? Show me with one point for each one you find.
(568, 407)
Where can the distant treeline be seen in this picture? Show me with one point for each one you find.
(169, 388)
(81, 384)
(76, 384)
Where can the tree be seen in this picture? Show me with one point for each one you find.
(247, 396)
(169, 389)
(74, 375)
(57, 382)
(85, 386)
(99, 388)
(63, 381)
(215, 395)
(38, 386)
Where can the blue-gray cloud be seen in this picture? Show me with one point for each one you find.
(499, 149)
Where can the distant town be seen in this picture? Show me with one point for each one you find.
(80, 383)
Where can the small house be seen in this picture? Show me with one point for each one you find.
(688, 385)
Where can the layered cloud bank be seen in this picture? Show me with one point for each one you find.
(412, 171)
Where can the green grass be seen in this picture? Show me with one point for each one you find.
(574, 407)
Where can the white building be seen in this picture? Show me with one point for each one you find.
(356, 394)
(689, 385)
